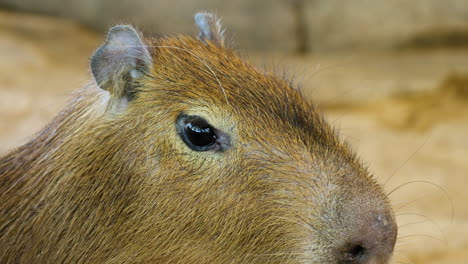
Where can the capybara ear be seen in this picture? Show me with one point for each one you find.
(210, 28)
(121, 61)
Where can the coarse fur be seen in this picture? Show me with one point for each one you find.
(109, 180)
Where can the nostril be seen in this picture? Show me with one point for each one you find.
(371, 240)
(354, 253)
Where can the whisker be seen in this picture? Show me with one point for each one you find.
(405, 257)
(446, 194)
(407, 203)
(439, 229)
(427, 236)
(413, 223)
(407, 160)
(403, 243)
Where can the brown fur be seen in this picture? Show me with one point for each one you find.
(100, 185)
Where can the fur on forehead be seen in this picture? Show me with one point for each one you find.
(210, 28)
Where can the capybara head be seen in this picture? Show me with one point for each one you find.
(181, 152)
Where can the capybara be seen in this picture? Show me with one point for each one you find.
(179, 151)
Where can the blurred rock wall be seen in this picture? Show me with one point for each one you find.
(282, 25)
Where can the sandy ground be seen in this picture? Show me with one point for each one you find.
(405, 113)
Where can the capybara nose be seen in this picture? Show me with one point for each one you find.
(371, 242)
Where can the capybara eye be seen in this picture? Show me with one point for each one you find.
(196, 132)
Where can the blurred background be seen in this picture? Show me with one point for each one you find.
(392, 75)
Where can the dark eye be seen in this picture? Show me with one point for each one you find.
(198, 134)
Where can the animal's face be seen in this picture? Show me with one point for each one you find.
(234, 165)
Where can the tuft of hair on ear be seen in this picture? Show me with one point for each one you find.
(120, 62)
(210, 28)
